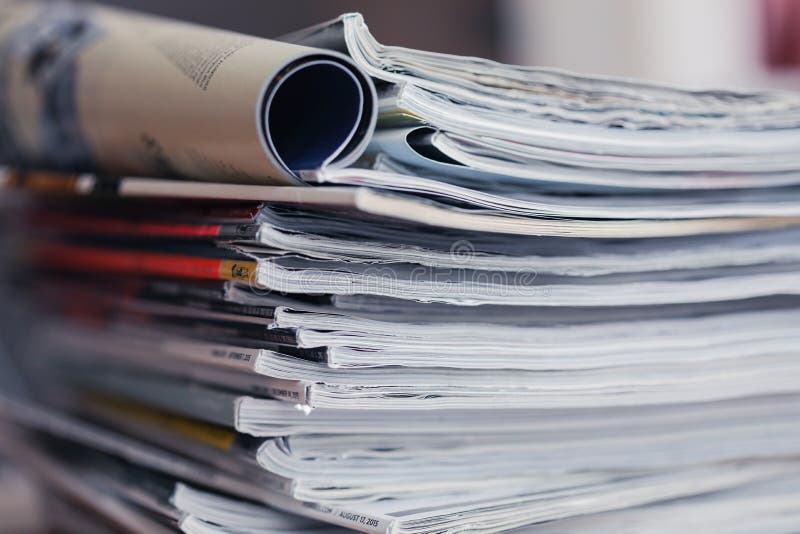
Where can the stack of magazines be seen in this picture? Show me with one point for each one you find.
(326, 285)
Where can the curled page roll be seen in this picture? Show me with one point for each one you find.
(83, 87)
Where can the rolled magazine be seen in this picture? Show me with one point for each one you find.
(85, 87)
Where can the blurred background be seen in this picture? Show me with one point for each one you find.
(744, 43)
